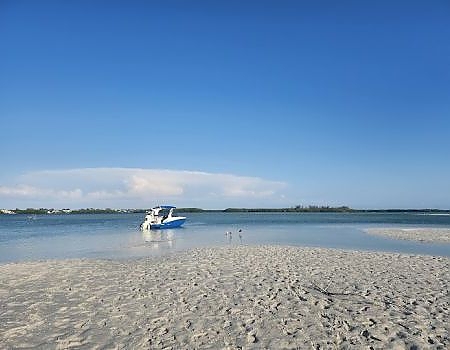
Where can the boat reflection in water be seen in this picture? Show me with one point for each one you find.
(161, 239)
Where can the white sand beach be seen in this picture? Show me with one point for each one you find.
(237, 297)
(422, 234)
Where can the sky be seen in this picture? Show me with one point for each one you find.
(218, 104)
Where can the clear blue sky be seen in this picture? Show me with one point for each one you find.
(225, 103)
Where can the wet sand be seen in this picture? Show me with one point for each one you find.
(422, 234)
(235, 297)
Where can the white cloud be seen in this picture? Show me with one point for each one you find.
(134, 187)
(26, 191)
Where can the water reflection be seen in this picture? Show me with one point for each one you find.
(160, 239)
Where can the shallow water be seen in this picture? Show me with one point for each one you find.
(38, 237)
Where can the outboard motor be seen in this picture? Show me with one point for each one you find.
(145, 225)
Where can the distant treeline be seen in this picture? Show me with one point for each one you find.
(310, 209)
(296, 209)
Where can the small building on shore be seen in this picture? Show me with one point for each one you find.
(7, 211)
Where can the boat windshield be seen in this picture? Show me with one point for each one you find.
(164, 212)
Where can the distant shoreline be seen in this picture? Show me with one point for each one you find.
(297, 209)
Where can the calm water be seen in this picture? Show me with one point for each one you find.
(39, 237)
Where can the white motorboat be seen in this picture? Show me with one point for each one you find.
(161, 217)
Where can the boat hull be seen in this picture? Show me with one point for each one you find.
(171, 224)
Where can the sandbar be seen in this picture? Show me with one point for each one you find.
(236, 297)
(422, 234)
